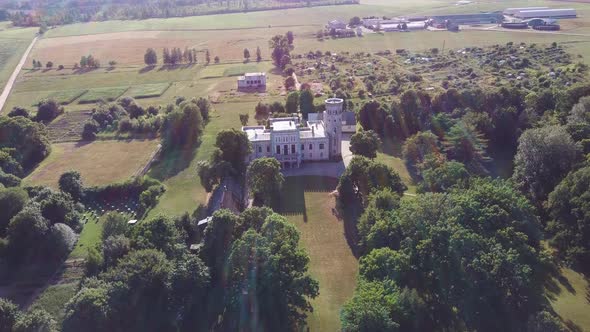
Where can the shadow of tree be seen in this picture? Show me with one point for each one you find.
(172, 162)
(147, 69)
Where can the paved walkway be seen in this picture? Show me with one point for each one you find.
(12, 79)
(329, 169)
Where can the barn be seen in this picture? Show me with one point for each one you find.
(547, 13)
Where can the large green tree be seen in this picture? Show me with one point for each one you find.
(71, 183)
(265, 180)
(28, 139)
(306, 103)
(12, 200)
(544, 156)
(365, 143)
(569, 209)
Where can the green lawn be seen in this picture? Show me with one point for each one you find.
(66, 97)
(307, 202)
(569, 296)
(148, 90)
(240, 70)
(89, 237)
(13, 43)
(107, 94)
(54, 298)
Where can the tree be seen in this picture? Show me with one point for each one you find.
(216, 59)
(569, 209)
(19, 111)
(71, 183)
(292, 104)
(244, 119)
(83, 62)
(61, 240)
(182, 128)
(113, 224)
(418, 146)
(217, 240)
(49, 65)
(48, 110)
(355, 21)
(306, 103)
(115, 247)
(258, 54)
(90, 130)
(290, 37)
(262, 112)
(365, 143)
(544, 156)
(9, 314)
(280, 51)
(465, 144)
(12, 201)
(207, 57)
(267, 275)
(28, 139)
(265, 180)
(151, 57)
(440, 175)
(26, 233)
(246, 55)
(35, 320)
(156, 233)
(234, 146)
(289, 83)
(370, 308)
(88, 310)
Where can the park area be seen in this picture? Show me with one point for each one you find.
(99, 163)
(309, 203)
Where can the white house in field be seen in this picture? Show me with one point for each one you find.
(291, 143)
(252, 81)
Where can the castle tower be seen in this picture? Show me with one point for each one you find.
(333, 123)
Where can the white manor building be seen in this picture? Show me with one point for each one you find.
(291, 143)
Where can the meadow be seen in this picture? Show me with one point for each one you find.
(99, 162)
(13, 43)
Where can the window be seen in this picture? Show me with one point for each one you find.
(321, 146)
(302, 147)
(311, 146)
(268, 148)
(285, 149)
(278, 149)
(293, 148)
(259, 149)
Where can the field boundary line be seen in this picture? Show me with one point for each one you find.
(12, 79)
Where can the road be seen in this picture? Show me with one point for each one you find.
(12, 79)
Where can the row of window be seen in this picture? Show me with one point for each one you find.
(285, 139)
(254, 82)
(286, 148)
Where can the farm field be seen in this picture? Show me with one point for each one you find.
(308, 203)
(99, 162)
(13, 43)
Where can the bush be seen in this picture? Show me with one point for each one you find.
(9, 180)
(90, 130)
(19, 111)
(48, 110)
(61, 240)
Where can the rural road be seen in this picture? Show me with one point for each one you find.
(12, 79)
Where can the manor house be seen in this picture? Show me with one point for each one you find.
(291, 143)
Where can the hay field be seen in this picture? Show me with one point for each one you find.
(99, 162)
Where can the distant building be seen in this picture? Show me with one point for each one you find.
(512, 11)
(252, 81)
(546, 13)
(292, 144)
(478, 18)
(336, 24)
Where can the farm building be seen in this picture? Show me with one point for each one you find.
(336, 24)
(372, 23)
(533, 22)
(543, 13)
(252, 81)
(344, 33)
(479, 18)
(512, 11)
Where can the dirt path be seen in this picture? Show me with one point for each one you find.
(12, 79)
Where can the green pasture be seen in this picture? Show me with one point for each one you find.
(148, 90)
(66, 97)
(54, 298)
(107, 94)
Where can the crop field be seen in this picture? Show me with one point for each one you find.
(107, 94)
(68, 127)
(13, 43)
(99, 162)
(308, 203)
(66, 97)
(148, 90)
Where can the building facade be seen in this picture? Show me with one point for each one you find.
(291, 143)
(252, 81)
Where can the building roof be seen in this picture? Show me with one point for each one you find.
(287, 125)
(256, 133)
(315, 116)
(314, 129)
(255, 74)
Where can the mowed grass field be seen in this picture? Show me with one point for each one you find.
(99, 162)
(13, 43)
(308, 203)
(570, 298)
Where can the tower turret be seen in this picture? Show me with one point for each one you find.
(333, 123)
